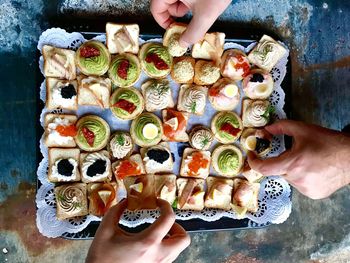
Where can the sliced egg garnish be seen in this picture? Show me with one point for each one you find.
(230, 90)
(104, 195)
(137, 187)
(173, 123)
(150, 131)
(250, 143)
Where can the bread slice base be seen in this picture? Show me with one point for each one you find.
(187, 152)
(63, 153)
(220, 204)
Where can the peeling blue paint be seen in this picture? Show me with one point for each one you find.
(318, 33)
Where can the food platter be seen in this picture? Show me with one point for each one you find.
(193, 224)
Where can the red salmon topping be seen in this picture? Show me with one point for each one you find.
(242, 65)
(70, 130)
(89, 136)
(214, 91)
(198, 161)
(101, 207)
(228, 128)
(167, 129)
(123, 69)
(127, 168)
(158, 62)
(89, 51)
(125, 105)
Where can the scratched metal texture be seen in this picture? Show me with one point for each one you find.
(318, 33)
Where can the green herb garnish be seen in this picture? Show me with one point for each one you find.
(162, 88)
(205, 142)
(120, 139)
(263, 53)
(76, 205)
(61, 198)
(193, 107)
(267, 114)
(174, 204)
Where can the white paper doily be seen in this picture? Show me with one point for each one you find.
(274, 197)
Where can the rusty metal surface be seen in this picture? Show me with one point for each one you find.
(319, 36)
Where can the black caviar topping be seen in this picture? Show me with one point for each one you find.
(67, 92)
(64, 167)
(98, 167)
(257, 77)
(262, 145)
(158, 155)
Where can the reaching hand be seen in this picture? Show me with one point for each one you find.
(318, 163)
(163, 241)
(205, 12)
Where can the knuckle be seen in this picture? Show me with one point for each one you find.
(170, 218)
(148, 241)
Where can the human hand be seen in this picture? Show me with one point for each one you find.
(205, 12)
(318, 162)
(162, 242)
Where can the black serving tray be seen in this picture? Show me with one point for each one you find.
(242, 35)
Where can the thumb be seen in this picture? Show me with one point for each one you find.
(111, 219)
(272, 166)
(288, 127)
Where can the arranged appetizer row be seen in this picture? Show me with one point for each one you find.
(128, 102)
(71, 165)
(92, 133)
(79, 199)
(94, 58)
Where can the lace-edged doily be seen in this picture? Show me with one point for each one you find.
(274, 197)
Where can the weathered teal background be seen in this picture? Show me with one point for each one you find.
(318, 33)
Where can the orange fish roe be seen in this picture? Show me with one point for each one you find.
(70, 130)
(127, 168)
(198, 161)
(242, 65)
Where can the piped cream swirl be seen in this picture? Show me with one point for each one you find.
(255, 113)
(265, 51)
(194, 100)
(119, 151)
(70, 198)
(201, 139)
(158, 95)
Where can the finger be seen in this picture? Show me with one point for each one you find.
(287, 127)
(177, 230)
(202, 20)
(176, 244)
(111, 219)
(195, 30)
(178, 9)
(159, 10)
(159, 229)
(272, 166)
